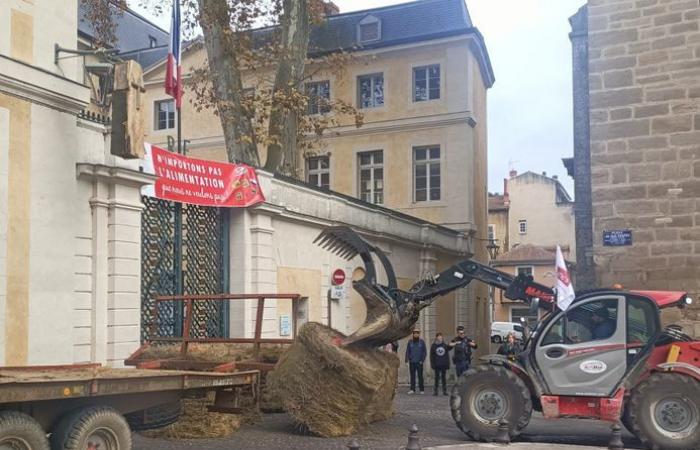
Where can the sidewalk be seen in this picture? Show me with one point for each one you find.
(513, 446)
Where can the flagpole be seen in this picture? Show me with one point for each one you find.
(177, 251)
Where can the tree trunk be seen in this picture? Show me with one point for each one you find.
(220, 43)
(282, 152)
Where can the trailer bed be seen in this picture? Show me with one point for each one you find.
(24, 384)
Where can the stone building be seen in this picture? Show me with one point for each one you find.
(422, 149)
(636, 159)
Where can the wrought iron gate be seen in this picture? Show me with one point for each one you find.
(204, 268)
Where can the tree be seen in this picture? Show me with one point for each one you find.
(273, 116)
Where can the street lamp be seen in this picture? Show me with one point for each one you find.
(492, 247)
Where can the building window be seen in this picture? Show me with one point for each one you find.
(426, 83)
(491, 236)
(152, 42)
(369, 29)
(164, 116)
(319, 94)
(522, 226)
(318, 172)
(426, 173)
(371, 176)
(370, 90)
(524, 270)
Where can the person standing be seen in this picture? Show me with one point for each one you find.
(462, 355)
(440, 362)
(415, 357)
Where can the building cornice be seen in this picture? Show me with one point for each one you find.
(45, 88)
(113, 175)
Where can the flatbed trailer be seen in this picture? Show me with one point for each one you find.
(84, 406)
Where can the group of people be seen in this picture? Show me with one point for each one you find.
(461, 347)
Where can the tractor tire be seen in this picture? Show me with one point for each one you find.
(486, 394)
(664, 412)
(20, 431)
(95, 427)
(153, 418)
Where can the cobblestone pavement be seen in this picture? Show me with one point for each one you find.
(431, 414)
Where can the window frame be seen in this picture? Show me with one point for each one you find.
(371, 76)
(491, 232)
(156, 115)
(522, 222)
(426, 68)
(373, 166)
(428, 162)
(319, 171)
(563, 318)
(369, 20)
(319, 109)
(530, 268)
(152, 41)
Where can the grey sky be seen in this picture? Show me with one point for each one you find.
(530, 126)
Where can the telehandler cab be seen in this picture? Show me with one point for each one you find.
(606, 357)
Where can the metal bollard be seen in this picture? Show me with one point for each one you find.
(354, 445)
(413, 443)
(616, 437)
(502, 434)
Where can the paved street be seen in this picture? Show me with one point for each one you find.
(431, 414)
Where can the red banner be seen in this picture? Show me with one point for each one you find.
(203, 182)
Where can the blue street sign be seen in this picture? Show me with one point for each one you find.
(616, 238)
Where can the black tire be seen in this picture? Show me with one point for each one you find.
(153, 418)
(94, 427)
(664, 412)
(20, 431)
(496, 339)
(485, 394)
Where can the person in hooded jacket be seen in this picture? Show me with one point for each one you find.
(440, 362)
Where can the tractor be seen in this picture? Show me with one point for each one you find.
(605, 357)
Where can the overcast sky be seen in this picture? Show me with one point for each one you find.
(529, 107)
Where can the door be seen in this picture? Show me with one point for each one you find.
(583, 352)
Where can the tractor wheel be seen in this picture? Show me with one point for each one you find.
(92, 428)
(486, 394)
(664, 412)
(19, 431)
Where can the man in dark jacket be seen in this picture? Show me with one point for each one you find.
(440, 362)
(415, 357)
(462, 356)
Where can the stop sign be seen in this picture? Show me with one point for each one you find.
(338, 277)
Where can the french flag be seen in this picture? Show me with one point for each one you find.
(173, 72)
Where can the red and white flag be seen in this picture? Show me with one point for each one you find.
(565, 290)
(173, 71)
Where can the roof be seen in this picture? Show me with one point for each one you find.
(498, 202)
(403, 23)
(134, 33)
(530, 254)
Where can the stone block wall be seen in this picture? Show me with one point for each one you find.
(644, 74)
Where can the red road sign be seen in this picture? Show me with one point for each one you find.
(338, 277)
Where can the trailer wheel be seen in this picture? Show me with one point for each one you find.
(486, 394)
(93, 428)
(157, 417)
(19, 431)
(664, 412)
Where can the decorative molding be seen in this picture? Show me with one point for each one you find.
(113, 175)
(47, 89)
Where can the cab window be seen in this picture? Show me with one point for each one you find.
(641, 321)
(590, 321)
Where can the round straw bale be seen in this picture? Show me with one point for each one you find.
(333, 390)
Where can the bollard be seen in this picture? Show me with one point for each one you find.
(616, 437)
(354, 445)
(413, 443)
(502, 434)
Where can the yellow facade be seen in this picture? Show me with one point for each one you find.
(456, 122)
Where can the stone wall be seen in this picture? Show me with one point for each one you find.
(644, 73)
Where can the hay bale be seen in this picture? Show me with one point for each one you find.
(196, 422)
(332, 390)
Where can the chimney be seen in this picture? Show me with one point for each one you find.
(544, 174)
(513, 173)
(330, 9)
(555, 177)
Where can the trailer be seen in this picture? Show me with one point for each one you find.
(86, 406)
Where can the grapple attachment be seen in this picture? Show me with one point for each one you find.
(391, 314)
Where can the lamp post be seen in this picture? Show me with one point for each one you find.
(492, 247)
